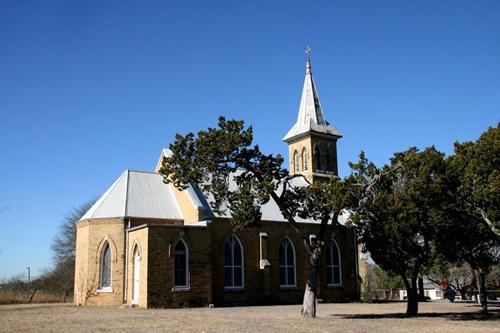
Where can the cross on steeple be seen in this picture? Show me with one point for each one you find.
(308, 52)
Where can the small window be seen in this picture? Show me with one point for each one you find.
(317, 157)
(333, 269)
(233, 263)
(287, 264)
(105, 281)
(304, 159)
(181, 264)
(296, 161)
(328, 159)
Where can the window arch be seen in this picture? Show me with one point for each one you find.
(304, 159)
(317, 157)
(333, 265)
(136, 274)
(105, 269)
(233, 263)
(287, 264)
(328, 160)
(181, 265)
(296, 161)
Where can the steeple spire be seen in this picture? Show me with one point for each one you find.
(310, 117)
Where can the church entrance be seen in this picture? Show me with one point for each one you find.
(136, 276)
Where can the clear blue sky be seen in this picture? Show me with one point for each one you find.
(90, 88)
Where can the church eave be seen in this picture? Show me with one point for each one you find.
(326, 134)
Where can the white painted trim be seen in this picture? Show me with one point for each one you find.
(328, 266)
(305, 163)
(234, 289)
(101, 267)
(242, 286)
(138, 264)
(296, 162)
(105, 290)
(294, 285)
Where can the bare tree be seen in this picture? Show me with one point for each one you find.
(61, 277)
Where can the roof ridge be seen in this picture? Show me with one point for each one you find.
(143, 171)
(101, 200)
(125, 212)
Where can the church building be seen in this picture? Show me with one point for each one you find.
(145, 243)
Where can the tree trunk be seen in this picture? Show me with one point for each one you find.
(32, 295)
(309, 304)
(483, 297)
(463, 293)
(65, 295)
(412, 298)
(421, 293)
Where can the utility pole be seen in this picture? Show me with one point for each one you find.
(29, 275)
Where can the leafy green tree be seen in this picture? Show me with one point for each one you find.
(387, 280)
(377, 282)
(216, 156)
(476, 168)
(396, 213)
(467, 230)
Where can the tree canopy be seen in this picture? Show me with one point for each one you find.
(468, 228)
(395, 216)
(406, 211)
(215, 157)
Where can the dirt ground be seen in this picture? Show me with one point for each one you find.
(354, 317)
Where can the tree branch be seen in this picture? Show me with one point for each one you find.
(487, 220)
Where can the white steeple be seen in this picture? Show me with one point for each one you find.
(311, 117)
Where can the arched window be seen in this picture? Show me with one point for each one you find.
(287, 264)
(304, 159)
(317, 157)
(328, 160)
(233, 263)
(181, 265)
(136, 275)
(296, 161)
(105, 280)
(333, 269)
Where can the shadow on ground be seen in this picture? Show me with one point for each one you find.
(493, 314)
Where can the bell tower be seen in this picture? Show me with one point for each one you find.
(312, 141)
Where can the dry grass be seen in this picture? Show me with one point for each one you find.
(435, 317)
(20, 297)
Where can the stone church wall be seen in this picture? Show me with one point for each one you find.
(91, 237)
(206, 264)
(140, 239)
(261, 286)
(160, 266)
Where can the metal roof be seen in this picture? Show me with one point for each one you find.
(145, 195)
(136, 194)
(270, 211)
(310, 117)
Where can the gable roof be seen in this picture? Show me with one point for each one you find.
(145, 195)
(136, 194)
